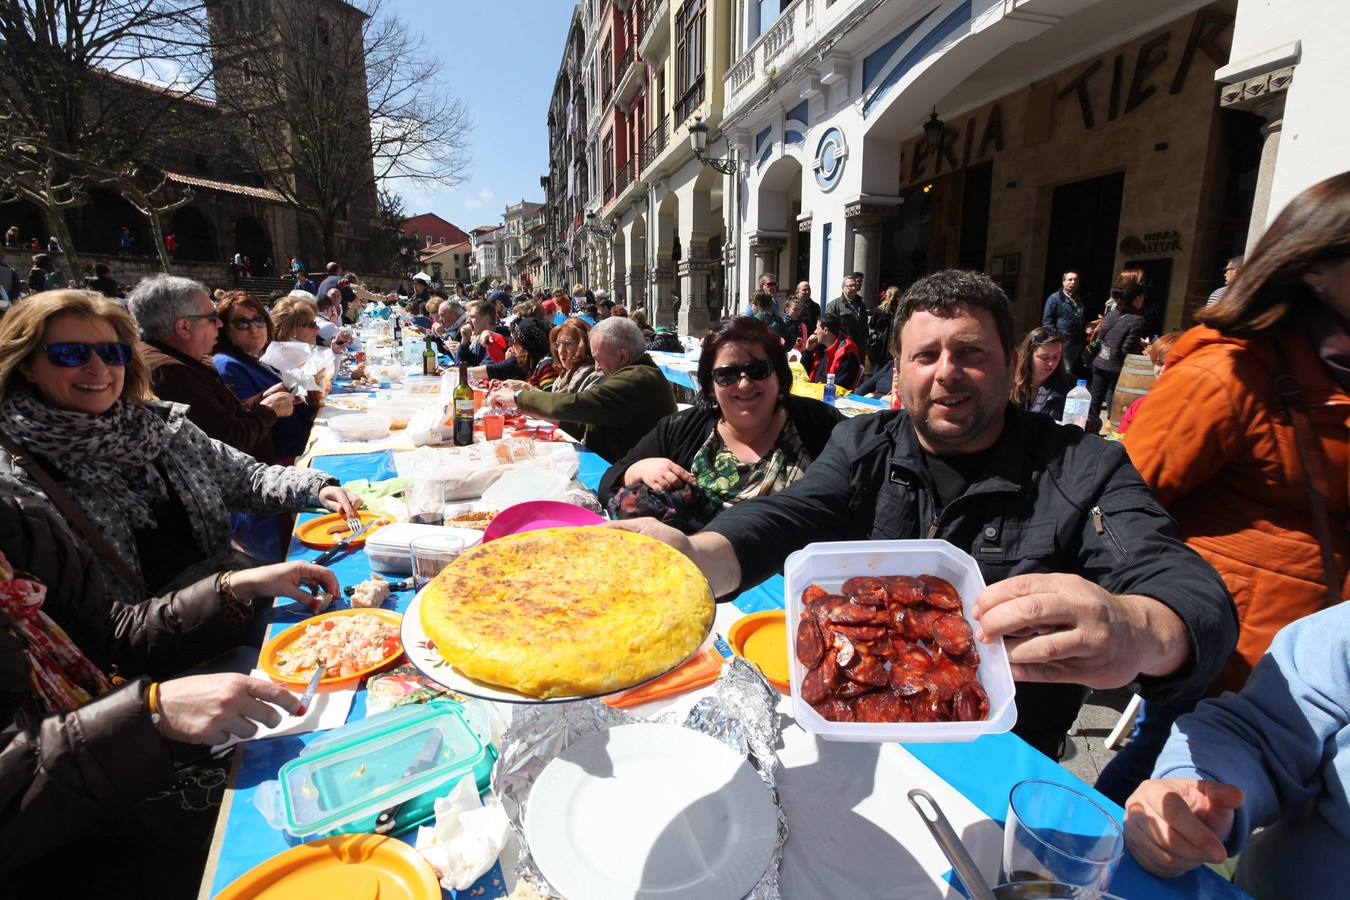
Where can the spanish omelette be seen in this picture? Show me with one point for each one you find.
(565, 612)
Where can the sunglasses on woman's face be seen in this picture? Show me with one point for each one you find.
(72, 354)
(755, 370)
(243, 324)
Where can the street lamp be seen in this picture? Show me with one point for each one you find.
(698, 142)
(934, 131)
(596, 228)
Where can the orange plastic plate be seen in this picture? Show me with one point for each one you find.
(267, 659)
(762, 639)
(351, 866)
(323, 532)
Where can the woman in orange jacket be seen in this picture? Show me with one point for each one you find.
(1244, 441)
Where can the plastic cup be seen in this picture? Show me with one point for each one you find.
(493, 425)
(1055, 833)
(431, 554)
(479, 396)
(426, 502)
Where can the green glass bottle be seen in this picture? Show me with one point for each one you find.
(463, 402)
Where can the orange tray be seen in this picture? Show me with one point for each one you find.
(323, 532)
(267, 658)
(348, 865)
(762, 638)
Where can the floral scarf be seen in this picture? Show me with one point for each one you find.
(63, 678)
(113, 453)
(723, 480)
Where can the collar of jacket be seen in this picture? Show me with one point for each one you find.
(176, 354)
(1003, 474)
(643, 360)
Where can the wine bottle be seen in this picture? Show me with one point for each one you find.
(463, 403)
(429, 359)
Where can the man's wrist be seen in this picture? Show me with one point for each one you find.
(1162, 637)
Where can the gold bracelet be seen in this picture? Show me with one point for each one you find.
(152, 702)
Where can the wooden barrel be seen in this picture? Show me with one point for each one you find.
(1136, 377)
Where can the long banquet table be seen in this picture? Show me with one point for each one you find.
(983, 770)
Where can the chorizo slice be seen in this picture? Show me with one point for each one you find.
(879, 706)
(835, 710)
(821, 680)
(970, 703)
(939, 592)
(902, 590)
(970, 660)
(942, 680)
(927, 708)
(843, 650)
(867, 669)
(853, 689)
(865, 590)
(951, 632)
(859, 633)
(912, 656)
(822, 604)
(812, 593)
(882, 646)
(855, 614)
(907, 682)
(810, 643)
(918, 622)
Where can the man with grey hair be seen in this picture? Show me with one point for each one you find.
(178, 326)
(619, 411)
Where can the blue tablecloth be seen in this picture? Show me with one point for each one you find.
(984, 770)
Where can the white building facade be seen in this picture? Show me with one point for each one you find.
(1063, 134)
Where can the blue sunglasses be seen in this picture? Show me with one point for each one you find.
(72, 354)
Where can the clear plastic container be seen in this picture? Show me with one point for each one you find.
(829, 564)
(360, 427)
(403, 759)
(387, 547)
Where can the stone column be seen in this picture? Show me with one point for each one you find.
(766, 247)
(865, 232)
(1262, 93)
(637, 284)
(662, 302)
(695, 317)
(1265, 175)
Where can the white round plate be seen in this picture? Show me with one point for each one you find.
(651, 811)
(422, 653)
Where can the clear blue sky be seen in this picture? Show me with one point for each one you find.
(500, 57)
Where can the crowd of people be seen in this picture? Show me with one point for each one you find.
(1201, 560)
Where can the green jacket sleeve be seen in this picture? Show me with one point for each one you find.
(607, 404)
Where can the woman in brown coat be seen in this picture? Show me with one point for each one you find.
(1244, 440)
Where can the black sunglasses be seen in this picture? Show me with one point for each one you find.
(1045, 336)
(72, 354)
(755, 370)
(255, 322)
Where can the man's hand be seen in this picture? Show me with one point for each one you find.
(282, 402)
(287, 579)
(658, 473)
(655, 528)
(710, 551)
(340, 500)
(1173, 825)
(503, 398)
(1064, 628)
(208, 709)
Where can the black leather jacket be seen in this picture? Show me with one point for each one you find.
(65, 776)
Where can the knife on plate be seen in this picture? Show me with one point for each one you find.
(385, 821)
(328, 555)
(310, 690)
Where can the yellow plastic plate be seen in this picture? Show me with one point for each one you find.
(762, 639)
(350, 866)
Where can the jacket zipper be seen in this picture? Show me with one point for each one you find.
(1103, 528)
(933, 528)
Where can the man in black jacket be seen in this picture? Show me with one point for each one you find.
(1064, 313)
(1089, 585)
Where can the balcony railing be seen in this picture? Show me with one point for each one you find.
(621, 65)
(654, 143)
(779, 36)
(689, 101)
(627, 172)
(742, 72)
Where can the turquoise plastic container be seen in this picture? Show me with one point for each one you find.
(405, 759)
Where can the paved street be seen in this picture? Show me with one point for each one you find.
(1087, 754)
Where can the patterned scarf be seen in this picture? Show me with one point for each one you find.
(63, 678)
(108, 459)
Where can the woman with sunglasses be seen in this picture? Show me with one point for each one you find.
(144, 488)
(747, 436)
(245, 332)
(295, 319)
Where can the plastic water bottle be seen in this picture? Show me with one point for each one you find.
(829, 389)
(1077, 406)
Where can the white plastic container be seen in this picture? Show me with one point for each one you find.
(360, 427)
(387, 547)
(520, 484)
(829, 564)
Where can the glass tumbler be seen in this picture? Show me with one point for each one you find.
(1055, 833)
(431, 554)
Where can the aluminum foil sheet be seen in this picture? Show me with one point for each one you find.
(740, 713)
